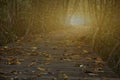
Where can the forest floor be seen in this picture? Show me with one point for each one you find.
(61, 55)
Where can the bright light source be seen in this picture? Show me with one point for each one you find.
(76, 21)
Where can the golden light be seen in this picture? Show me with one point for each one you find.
(76, 21)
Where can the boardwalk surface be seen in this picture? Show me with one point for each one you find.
(58, 56)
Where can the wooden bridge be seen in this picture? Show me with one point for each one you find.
(53, 57)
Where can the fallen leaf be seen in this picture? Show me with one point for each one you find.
(18, 41)
(81, 66)
(65, 76)
(85, 51)
(99, 62)
(5, 47)
(21, 60)
(47, 62)
(11, 58)
(32, 64)
(34, 48)
(41, 68)
(18, 62)
(14, 62)
(92, 74)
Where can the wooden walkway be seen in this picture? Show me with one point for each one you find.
(52, 58)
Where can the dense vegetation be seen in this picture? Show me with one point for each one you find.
(22, 18)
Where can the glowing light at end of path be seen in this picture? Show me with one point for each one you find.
(76, 21)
